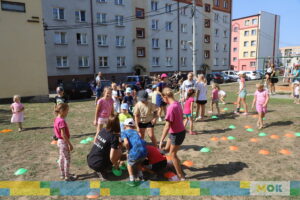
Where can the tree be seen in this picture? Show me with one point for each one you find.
(138, 69)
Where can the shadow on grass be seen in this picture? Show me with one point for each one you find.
(193, 147)
(222, 116)
(279, 123)
(5, 116)
(37, 128)
(83, 135)
(216, 131)
(218, 170)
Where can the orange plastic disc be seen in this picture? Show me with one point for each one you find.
(169, 174)
(214, 139)
(247, 126)
(188, 163)
(224, 138)
(264, 152)
(274, 137)
(253, 140)
(285, 152)
(289, 135)
(255, 116)
(54, 142)
(233, 148)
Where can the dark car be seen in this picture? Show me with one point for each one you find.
(138, 80)
(77, 90)
(104, 84)
(215, 77)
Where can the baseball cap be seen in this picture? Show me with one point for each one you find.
(128, 90)
(124, 106)
(129, 122)
(143, 95)
(164, 76)
(154, 86)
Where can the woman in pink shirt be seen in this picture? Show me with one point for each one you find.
(261, 99)
(105, 108)
(215, 97)
(188, 110)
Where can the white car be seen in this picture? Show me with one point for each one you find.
(232, 75)
(252, 75)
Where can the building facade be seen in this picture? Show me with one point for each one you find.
(122, 37)
(254, 39)
(290, 56)
(23, 64)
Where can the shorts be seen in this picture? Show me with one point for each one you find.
(261, 109)
(133, 162)
(215, 101)
(100, 165)
(102, 120)
(202, 102)
(146, 125)
(158, 167)
(274, 80)
(296, 96)
(243, 94)
(159, 101)
(98, 92)
(188, 115)
(177, 138)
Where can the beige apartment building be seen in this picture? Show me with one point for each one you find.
(22, 50)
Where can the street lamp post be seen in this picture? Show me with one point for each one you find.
(194, 38)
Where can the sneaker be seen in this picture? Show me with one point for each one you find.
(131, 183)
(182, 179)
(210, 111)
(236, 112)
(141, 178)
(19, 129)
(71, 178)
(245, 114)
(159, 119)
(192, 133)
(62, 177)
(198, 118)
(101, 176)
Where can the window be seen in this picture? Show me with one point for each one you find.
(169, 61)
(101, 1)
(253, 43)
(206, 54)
(207, 23)
(183, 11)
(81, 38)
(217, 32)
(225, 34)
(253, 32)
(80, 16)
(216, 17)
(183, 28)
(140, 51)
(119, 2)
(235, 49)
(168, 8)
(253, 53)
(155, 61)
(101, 18)
(247, 22)
(102, 40)
(183, 61)
(58, 13)
(168, 44)
(83, 61)
(246, 33)
(234, 59)
(183, 44)
(121, 61)
(206, 38)
(61, 61)
(254, 21)
(215, 61)
(140, 32)
(224, 61)
(155, 43)
(216, 47)
(235, 39)
(235, 29)
(139, 13)
(207, 7)
(217, 2)
(168, 26)
(225, 5)
(120, 41)
(103, 61)
(119, 20)
(225, 19)
(225, 47)
(60, 38)
(154, 5)
(12, 6)
(154, 25)
(252, 64)
(246, 43)
(245, 54)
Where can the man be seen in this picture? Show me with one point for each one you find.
(98, 86)
(188, 84)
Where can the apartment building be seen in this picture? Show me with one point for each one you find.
(290, 56)
(122, 37)
(254, 39)
(22, 50)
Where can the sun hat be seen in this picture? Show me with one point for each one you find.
(164, 76)
(124, 106)
(143, 95)
(128, 90)
(129, 122)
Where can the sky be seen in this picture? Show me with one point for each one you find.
(289, 11)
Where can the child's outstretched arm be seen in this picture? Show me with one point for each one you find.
(66, 139)
(165, 133)
(12, 109)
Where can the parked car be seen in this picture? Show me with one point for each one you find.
(226, 77)
(138, 80)
(104, 84)
(78, 89)
(232, 75)
(215, 77)
(252, 75)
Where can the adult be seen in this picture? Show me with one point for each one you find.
(242, 94)
(201, 96)
(188, 84)
(98, 86)
(272, 79)
(159, 100)
(106, 151)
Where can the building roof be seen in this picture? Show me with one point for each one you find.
(246, 17)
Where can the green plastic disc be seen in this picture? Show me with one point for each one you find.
(205, 150)
(232, 127)
(231, 138)
(262, 134)
(20, 171)
(84, 142)
(249, 130)
(117, 172)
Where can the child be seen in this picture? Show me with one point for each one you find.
(136, 148)
(145, 116)
(261, 99)
(156, 161)
(296, 89)
(129, 99)
(175, 127)
(242, 94)
(215, 97)
(188, 110)
(65, 147)
(159, 101)
(17, 110)
(105, 108)
(124, 115)
(116, 95)
(201, 94)
(154, 94)
(222, 96)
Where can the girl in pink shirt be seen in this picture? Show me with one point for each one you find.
(215, 97)
(261, 99)
(104, 109)
(17, 110)
(188, 110)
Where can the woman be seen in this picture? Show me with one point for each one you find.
(106, 151)
(159, 101)
(201, 94)
(272, 79)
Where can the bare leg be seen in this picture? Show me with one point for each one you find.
(245, 104)
(202, 110)
(185, 121)
(212, 107)
(152, 136)
(168, 145)
(197, 110)
(176, 161)
(218, 109)
(142, 133)
(191, 123)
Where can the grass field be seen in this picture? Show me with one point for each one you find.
(32, 150)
